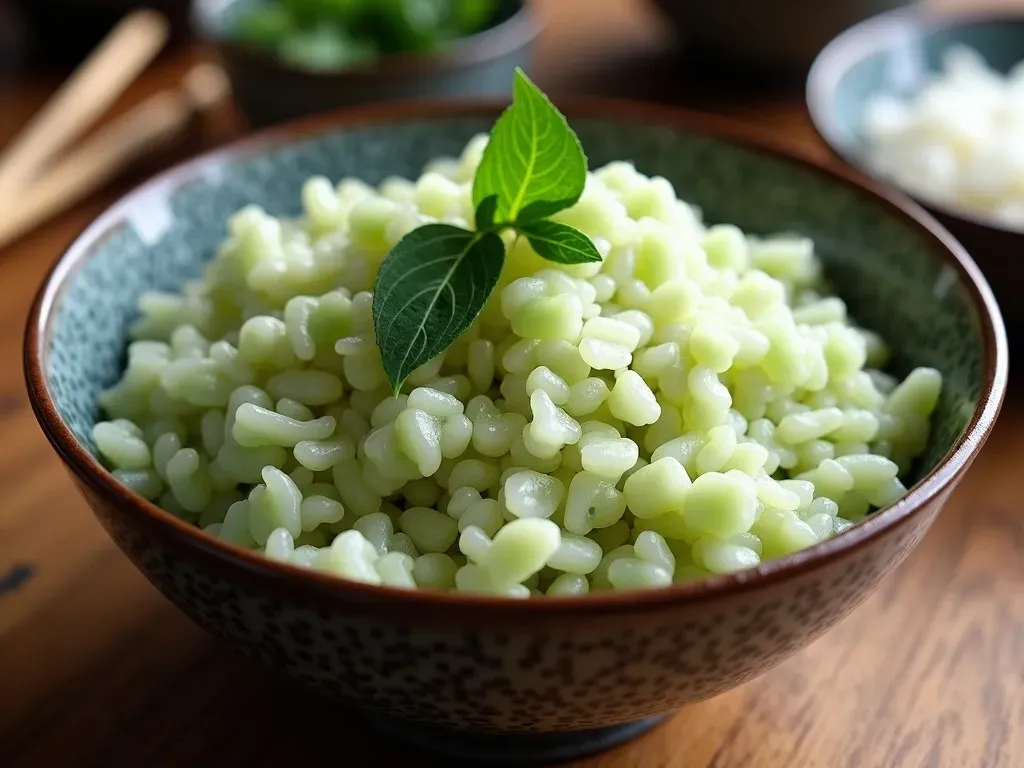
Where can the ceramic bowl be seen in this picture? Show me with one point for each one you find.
(269, 90)
(783, 35)
(895, 53)
(552, 677)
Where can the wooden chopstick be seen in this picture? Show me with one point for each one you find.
(93, 87)
(152, 124)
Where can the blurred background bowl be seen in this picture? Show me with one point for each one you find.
(61, 32)
(269, 90)
(896, 53)
(783, 35)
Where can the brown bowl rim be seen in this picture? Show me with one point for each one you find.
(855, 43)
(928, 491)
(489, 44)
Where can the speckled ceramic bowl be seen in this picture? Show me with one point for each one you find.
(550, 677)
(895, 53)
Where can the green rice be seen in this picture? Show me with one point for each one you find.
(694, 405)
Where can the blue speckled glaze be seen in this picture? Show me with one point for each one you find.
(876, 262)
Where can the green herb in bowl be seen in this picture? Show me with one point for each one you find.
(332, 34)
(438, 278)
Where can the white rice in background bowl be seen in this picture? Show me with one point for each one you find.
(959, 141)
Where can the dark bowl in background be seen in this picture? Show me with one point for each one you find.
(269, 90)
(894, 53)
(780, 35)
(60, 33)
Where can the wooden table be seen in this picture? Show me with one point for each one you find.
(97, 669)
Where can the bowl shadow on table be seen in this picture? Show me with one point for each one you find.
(281, 704)
(894, 53)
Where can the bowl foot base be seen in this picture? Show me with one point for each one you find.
(512, 748)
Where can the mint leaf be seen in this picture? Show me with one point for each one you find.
(559, 242)
(485, 212)
(533, 162)
(434, 283)
(429, 290)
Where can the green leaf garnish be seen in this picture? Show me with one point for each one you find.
(429, 290)
(533, 162)
(434, 283)
(485, 212)
(559, 242)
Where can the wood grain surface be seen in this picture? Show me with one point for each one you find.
(96, 669)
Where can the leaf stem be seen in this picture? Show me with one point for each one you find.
(499, 227)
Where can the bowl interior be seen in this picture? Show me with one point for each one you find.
(896, 53)
(884, 265)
